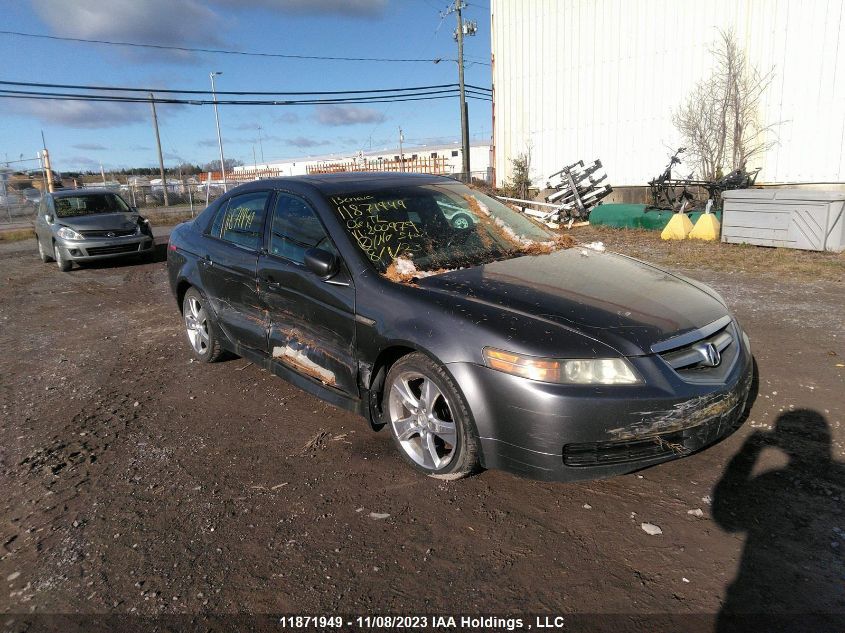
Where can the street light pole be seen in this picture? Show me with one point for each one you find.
(401, 155)
(219, 137)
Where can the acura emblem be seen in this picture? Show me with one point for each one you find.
(109, 234)
(710, 356)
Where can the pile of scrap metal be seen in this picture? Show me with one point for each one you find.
(671, 193)
(579, 189)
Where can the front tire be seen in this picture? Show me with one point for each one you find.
(63, 264)
(43, 253)
(429, 419)
(202, 335)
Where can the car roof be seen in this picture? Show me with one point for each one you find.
(346, 182)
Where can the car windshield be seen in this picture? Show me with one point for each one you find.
(89, 204)
(408, 230)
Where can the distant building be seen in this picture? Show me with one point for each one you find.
(480, 159)
(586, 79)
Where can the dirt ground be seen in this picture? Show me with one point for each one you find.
(136, 481)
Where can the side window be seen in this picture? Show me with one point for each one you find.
(241, 221)
(295, 229)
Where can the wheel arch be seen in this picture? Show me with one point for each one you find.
(182, 288)
(388, 355)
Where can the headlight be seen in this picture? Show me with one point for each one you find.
(144, 226)
(67, 233)
(581, 371)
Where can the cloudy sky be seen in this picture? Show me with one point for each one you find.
(81, 135)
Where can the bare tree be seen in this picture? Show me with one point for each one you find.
(720, 119)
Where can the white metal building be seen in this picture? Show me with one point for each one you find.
(586, 79)
(479, 153)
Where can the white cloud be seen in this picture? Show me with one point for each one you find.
(80, 114)
(163, 22)
(353, 8)
(286, 117)
(91, 147)
(305, 142)
(336, 115)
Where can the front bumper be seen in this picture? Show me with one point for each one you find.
(568, 433)
(96, 249)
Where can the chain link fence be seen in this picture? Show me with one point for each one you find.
(188, 195)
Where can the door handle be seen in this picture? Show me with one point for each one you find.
(206, 261)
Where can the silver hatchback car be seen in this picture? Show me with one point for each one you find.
(87, 225)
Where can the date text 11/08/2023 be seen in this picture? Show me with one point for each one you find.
(423, 622)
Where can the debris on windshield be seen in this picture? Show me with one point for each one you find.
(520, 243)
(403, 270)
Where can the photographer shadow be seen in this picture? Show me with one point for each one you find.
(792, 572)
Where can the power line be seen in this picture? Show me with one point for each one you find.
(215, 51)
(234, 92)
(9, 94)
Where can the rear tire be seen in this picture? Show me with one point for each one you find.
(201, 331)
(63, 264)
(462, 221)
(429, 420)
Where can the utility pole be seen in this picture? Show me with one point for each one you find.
(160, 157)
(48, 171)
(254, 162)
(401, 155)
(219, 138)
(468, 28)
(45, 164)
(261, 144)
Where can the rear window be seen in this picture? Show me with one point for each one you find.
(89, 204)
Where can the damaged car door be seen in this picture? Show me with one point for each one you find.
(228, 268)
(312, 318)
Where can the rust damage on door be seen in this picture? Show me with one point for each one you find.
(303, 354)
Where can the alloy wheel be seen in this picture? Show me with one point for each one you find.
(196, 325)
(422, 420)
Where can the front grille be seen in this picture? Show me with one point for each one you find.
(687, 355)
(112, 250)
(109, 233)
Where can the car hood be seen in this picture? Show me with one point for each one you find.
(100, 221)
(619, 301)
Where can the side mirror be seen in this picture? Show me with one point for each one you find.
(322, 263)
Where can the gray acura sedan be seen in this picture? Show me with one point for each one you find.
(494, 344)
(89, 224)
